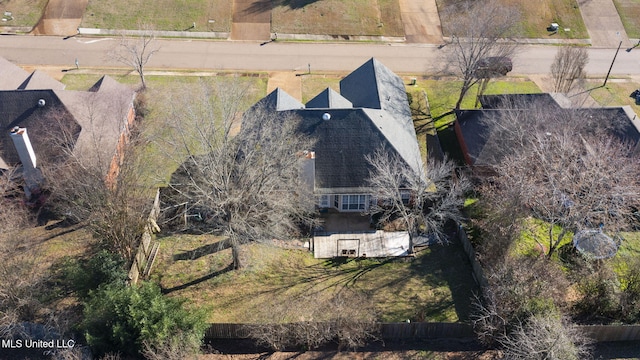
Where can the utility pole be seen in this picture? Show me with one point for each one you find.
(611, 67)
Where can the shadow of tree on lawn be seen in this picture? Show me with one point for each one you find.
(260, 6)
(204, 250)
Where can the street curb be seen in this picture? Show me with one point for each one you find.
(307, 37)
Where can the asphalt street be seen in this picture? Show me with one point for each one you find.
(210, 55)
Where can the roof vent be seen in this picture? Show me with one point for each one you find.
(326, 116)
(41, 103)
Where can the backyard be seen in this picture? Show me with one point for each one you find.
(436, 286)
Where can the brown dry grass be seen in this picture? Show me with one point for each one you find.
(629, 11)
(24, 12)
(338, 17)
(538, 15)
(437, 286)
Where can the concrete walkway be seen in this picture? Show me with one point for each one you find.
(421, 21)
(287, 81)
(603, 23)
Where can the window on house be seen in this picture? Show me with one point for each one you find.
(336, 201)
(323, 201)
(354, 202)
(406, 196)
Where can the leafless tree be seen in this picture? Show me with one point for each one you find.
(247, 187)
(348, 318)
(14, 214)
(97, 180)
(478, 30)
(575, 182)
(568, 66)
(546, 336)
(517, 289)
(425, 199)
(136, 52)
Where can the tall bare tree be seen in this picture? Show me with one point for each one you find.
(97, 180)
(573, 181)
(478, 30)
(425, 200)
(247, 187)
(568, 66)
(136, 52)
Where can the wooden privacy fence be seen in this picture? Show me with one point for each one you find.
(429, 331)
(478, 273)
(424, 330)
(612, 332)
(148, 249)
(388, 331)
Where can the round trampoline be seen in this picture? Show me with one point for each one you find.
(595, 244)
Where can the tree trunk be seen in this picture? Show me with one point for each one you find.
(553, 246)
(235, 253)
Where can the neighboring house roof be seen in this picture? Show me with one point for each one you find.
(89, 122)
(11, 76)
(371, 112)
(476, 136)
(40, 80)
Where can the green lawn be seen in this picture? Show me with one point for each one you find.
(616, 93)
(315, 84)
(162, 94)
(536, 231)
(436, 286)
(173, 15)
(337, 17)
(629, 11)
(443, 94)
(538, 15)
(23, 12)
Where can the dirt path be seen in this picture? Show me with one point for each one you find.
(251, 20)
(61, 17)
(421, 21)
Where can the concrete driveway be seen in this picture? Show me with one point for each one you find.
(251, 20)
(421, 21)
(61, 17)
(603, 23)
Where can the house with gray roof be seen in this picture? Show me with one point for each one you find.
(476, 135)
(371, 112)
(42, 122)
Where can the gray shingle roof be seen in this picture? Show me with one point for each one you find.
(342, 143)
(329, 99)
(40, 80)
(375, 86)
(11, 76)
(478, 136)
(279, 100)
(20, 108)
(370, 113)
(95, 117)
